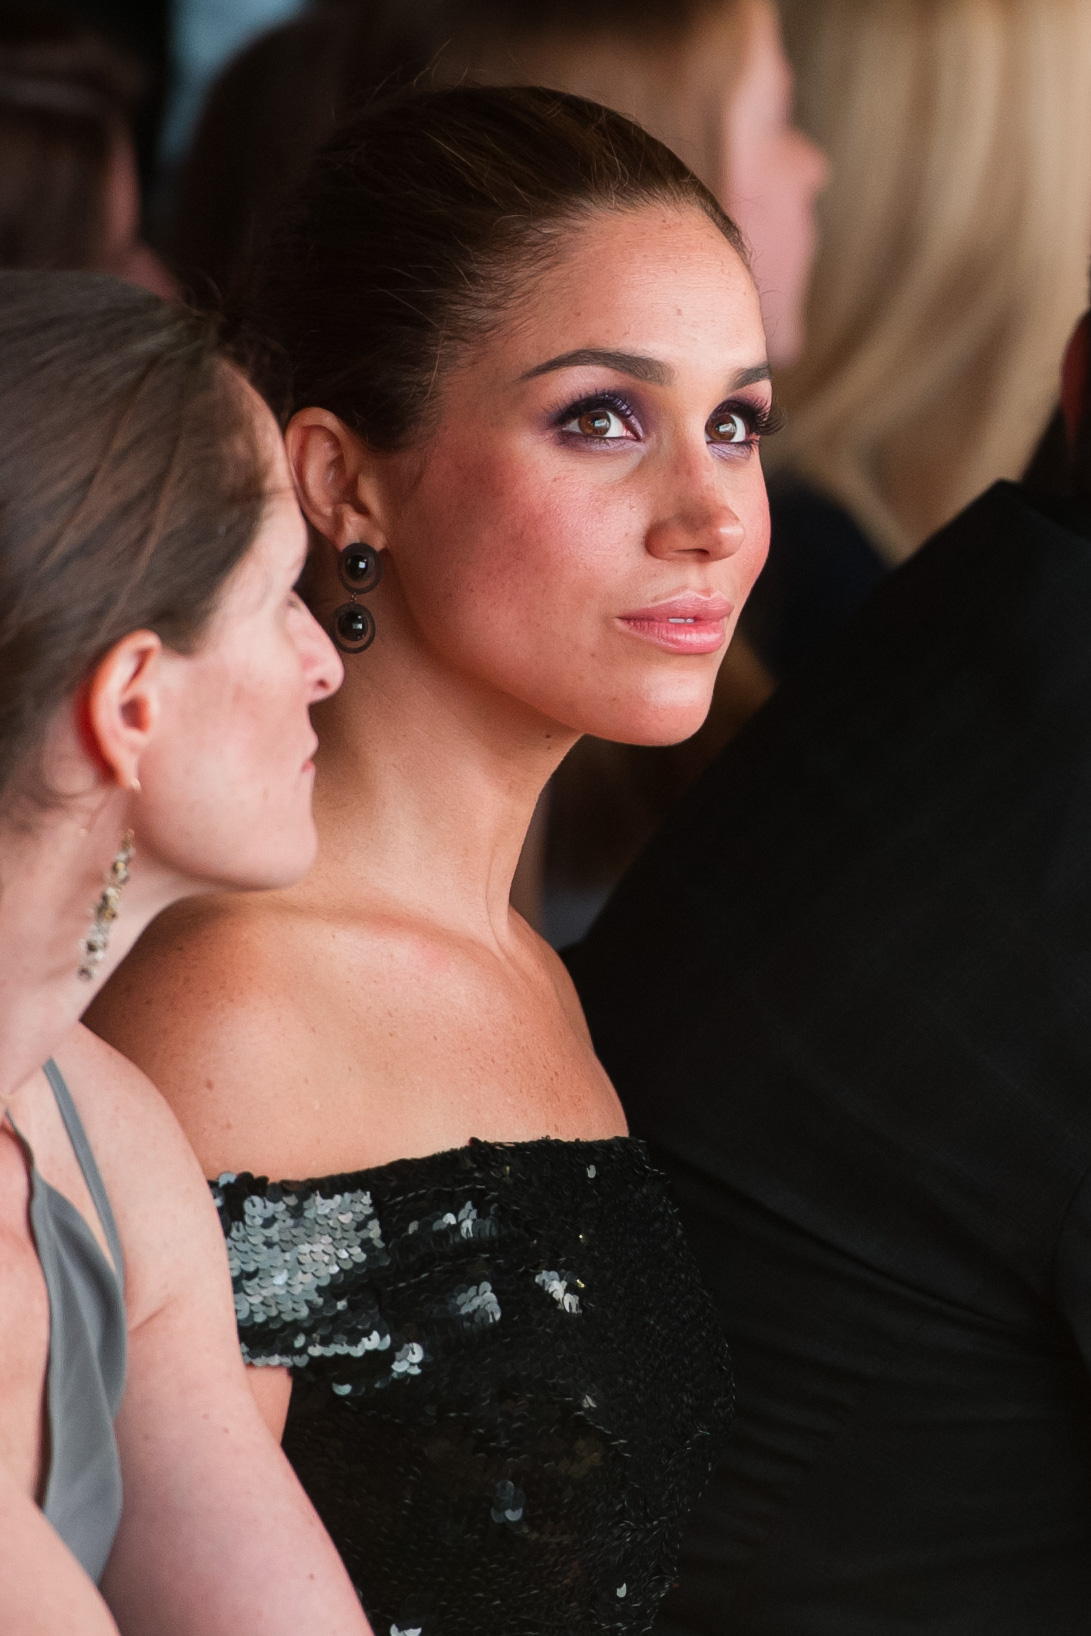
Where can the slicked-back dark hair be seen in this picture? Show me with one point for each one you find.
(420, 222)
(131, 485)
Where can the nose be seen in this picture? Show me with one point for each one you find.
(322, 667)
(703, 528)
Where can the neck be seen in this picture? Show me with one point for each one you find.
(426, 787)
(52, 873)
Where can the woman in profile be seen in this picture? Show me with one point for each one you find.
(527, 383)
(155, 673)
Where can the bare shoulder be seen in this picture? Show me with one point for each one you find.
(207, 1004)
(556, 973)
(199, 954)
(136, 1139)
(164, 1213)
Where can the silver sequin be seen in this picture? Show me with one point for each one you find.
(556, 1284)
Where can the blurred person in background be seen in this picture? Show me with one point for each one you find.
(707, 77)
(845, 995)
(204, 36)
(268, 113)
(952, 268)
(69, 191)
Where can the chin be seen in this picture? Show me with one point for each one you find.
(278, 867)
(649, 722)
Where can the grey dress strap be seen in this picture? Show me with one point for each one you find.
(81, 1147)
(88, 1341)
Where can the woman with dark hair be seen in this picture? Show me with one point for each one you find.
(155, 673)
(525, 367)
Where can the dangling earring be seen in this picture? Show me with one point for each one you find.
(360, 568)
(94, 946)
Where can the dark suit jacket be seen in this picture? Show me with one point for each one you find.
(847, 996)
(821, 567)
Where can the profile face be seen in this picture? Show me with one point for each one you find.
(775, 173)
(228, 779)
(584, 523)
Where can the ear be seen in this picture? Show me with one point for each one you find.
(335, 477)
(121, 705)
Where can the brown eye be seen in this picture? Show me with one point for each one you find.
(728, 427)
(595, 423)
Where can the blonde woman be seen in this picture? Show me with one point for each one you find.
(953, 266)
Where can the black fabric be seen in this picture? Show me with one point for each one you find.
(820, 568)
(847, 995)
(507, 1379)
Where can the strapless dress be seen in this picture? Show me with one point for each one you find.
(508, 1381)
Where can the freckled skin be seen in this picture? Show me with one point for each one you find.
(394, 1004)
(514, 557)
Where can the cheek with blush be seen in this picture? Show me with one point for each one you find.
(522, 585)
(499, 566)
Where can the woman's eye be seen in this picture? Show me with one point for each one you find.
(600, 425)
(728, 426)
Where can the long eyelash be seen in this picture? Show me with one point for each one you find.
(597, 400)
(763, 421)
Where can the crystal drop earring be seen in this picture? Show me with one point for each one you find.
(94, 946)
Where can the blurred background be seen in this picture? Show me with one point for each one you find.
(913, 178)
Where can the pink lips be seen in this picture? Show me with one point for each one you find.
(686, 624)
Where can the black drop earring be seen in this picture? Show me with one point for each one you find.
(360, 568)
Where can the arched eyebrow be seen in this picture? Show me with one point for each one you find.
(636, 365)
(750, 377)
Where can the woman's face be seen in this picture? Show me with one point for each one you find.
(228, 774)
(774, 176)
(583, 527)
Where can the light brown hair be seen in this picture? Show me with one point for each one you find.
(130, 487)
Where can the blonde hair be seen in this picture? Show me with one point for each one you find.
(955, 240)
(675, 78)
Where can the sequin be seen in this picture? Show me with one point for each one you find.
(509, 1503)
(508, 1385)
(556, 1284)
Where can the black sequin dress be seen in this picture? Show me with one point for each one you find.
(508, 1382)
